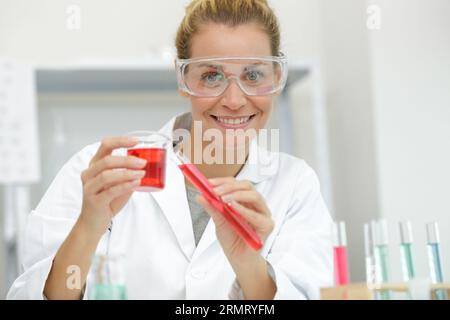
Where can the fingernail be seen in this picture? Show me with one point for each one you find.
(234, 204)
(136, 182)
(139, 173)
(218, 190)
(212, 181)
(227, 198)
(140, 162)
(133, 139)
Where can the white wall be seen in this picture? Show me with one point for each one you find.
(411, 72)
(36, 30)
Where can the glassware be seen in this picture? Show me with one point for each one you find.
(152, 147)
(434, 258)
(381, 242)
(341, 273)
(369, 249)
(406, 241)
(108, 278)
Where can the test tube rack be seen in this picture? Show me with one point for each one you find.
(365, 291)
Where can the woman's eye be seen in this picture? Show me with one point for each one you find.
(212, 77)
(254, 75)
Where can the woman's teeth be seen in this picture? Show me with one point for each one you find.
(233, 121)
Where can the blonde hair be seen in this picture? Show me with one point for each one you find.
(231, 13)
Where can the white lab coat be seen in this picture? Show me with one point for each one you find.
(154, 231)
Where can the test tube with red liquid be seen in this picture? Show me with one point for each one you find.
(237, 222)
(341, 274)
(151, 147)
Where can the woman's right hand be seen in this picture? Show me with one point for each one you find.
(108, 183)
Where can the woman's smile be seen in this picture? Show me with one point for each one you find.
(233, 122)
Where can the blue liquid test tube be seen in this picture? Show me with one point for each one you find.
(434, 258)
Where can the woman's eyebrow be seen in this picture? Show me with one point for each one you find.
(256, 64)
(220, 66)
(209, 65)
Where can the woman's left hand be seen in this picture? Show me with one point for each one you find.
(248, 202)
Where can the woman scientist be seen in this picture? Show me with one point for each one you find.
(173, 250)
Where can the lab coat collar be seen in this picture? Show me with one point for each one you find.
(173, 200)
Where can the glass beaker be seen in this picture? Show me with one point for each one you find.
(108, 278)
(152, 146)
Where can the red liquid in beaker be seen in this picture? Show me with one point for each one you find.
(155, 169)
(237, 222)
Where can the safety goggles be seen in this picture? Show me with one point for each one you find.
(210, 77)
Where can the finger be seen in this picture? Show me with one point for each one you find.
(251, 197)
(109, 178)
(215, 215)
(233, 186)
(221, 180)
(116, 191)
(113, 162)
(255, 219)
(138, 176)
(109, 144)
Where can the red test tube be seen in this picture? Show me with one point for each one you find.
(341, 273)
(237, 222)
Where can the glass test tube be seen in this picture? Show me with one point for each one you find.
(382, 254)
(434, 258)
(341, 274)
(370, 254)
(236, 221)
(406, 241)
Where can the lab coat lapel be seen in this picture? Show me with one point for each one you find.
(173, 201)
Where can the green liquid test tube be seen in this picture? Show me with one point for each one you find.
(382, 255)
(406, 241)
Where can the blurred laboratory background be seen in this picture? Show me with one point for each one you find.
(367, 104)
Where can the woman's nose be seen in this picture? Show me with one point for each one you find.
(233, 97)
